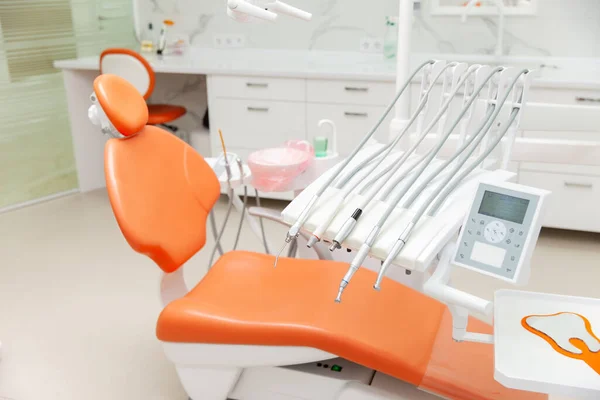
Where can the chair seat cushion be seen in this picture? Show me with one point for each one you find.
(245, 300)
(164, 113)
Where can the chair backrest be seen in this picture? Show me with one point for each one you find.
(131, 66)
(160, 189)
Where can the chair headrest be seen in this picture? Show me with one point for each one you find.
(124, 106)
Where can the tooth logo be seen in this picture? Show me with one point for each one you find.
(569, 334)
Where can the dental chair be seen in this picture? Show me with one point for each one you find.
(251, 331)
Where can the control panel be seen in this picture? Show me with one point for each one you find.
(501, 230)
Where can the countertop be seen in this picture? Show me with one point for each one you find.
(572, 73)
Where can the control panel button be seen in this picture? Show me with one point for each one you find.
(508, 241)
(512, 230)
(495, 232)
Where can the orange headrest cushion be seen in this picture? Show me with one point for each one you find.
(122, 103)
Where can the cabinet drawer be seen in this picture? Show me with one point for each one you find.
(581, 97)
(573, 203)
(557, 117)
(250, 87)
(562, 168)
(350, 92)
(256, 124)
(352, 123)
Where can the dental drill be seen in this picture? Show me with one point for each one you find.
(366, 246)
(294, 230)
(449, 184)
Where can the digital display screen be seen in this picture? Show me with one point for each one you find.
(504, 207)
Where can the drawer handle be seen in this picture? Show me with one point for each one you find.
(579, 184)
(587, 99)
(257, 85)
(356, 89)
(355, 114)
(258, 109)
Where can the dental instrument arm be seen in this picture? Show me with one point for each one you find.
(446, 188)
(349, 224)
(366, 246)
(295, 228)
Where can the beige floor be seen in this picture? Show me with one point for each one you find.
(78, 307)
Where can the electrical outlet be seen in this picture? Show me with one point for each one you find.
(371, 45)
(229, 41)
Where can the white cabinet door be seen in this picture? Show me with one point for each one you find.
(256, 124)
(580, 97)
(352, 122)
(573, 203)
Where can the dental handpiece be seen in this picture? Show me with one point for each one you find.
(366, 246)
(446, 188)
(294, 230)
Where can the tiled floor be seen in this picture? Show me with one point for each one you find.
(78, 307)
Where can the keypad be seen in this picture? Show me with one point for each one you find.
(512, 238)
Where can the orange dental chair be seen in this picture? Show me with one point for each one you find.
(249, 331)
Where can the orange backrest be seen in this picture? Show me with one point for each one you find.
(161, 190)
(131, 66)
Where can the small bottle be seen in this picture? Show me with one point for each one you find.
(390, 40)
(148, 40)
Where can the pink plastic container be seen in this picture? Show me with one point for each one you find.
(274, 169)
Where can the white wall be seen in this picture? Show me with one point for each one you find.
(561, 28)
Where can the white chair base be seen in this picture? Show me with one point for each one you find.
(238, 372)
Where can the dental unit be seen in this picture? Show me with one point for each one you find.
(209, 344)
(436, 197)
